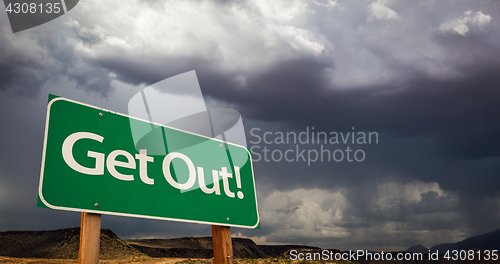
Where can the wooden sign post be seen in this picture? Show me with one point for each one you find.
(223, 247)
(90, 234)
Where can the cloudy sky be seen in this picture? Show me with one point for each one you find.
(422, 74)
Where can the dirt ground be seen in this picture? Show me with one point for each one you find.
(117, 261)
(157, 261)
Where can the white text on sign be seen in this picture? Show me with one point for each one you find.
(143, 158)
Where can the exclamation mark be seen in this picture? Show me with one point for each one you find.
(238, 182)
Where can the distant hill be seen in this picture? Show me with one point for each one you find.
(417, 249)
(64, 244)
(61, 244)
(189, 247)
(284, 250)
(486, 241)
(201, 247)
(194, 247)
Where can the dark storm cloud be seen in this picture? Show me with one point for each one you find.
(398, 208)
(25, 63)
(459, 113)
(32, 59)
(449, 120)
(93, 79)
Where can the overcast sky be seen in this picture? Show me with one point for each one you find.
(422, 74)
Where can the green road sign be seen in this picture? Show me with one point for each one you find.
(91, 163)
